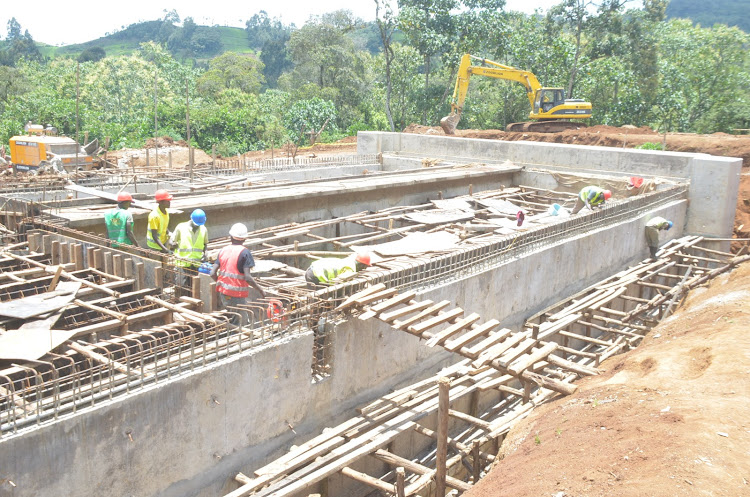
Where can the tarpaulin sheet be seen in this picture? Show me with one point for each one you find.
(36, 305)
(439, 216)
(414, 244)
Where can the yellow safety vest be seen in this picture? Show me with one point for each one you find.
(190, 244)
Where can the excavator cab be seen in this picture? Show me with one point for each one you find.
(548, 98)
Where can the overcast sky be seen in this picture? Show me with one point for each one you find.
(57, 22)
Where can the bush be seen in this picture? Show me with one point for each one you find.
(650, 146)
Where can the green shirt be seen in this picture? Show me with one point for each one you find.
(117, 221)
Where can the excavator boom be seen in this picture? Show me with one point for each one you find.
(548, 105)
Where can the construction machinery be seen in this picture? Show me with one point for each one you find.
(549, 107)
(41, 149)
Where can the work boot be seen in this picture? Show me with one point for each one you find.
(653, 251)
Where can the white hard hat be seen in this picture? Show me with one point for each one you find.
(238, 230)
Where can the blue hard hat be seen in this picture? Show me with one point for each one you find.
(556, 207)
(669, 225)
(198, 217)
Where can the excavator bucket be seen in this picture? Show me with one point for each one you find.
(449, 123)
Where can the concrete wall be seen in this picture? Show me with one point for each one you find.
(265, 207)
(192, 434)
(714, 181)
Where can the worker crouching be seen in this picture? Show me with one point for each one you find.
(231, 272)
(653, 226)
(190, 239)
(332, 270)
(591, 197)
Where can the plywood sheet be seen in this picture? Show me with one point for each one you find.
(43, 303)
(414, 244)
(499, 205)
(439, 216)
(32, 340)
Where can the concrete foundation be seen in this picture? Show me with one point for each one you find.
(190, 435)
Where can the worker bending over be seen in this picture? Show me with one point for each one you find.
(231, 272)
(591, 196)
(333, 270)
(653, 226)
(119, 222)
(158, 222)
(191, 240)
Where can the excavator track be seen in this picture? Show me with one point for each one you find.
(544, 126)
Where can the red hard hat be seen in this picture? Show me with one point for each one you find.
(124, 197)
(363, 258)
(635, 182)
(162, 195)
(607, 194)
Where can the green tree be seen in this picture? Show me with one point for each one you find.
(232, 70)
(308, 116)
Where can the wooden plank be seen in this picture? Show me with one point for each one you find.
(441, 453)
(460, 325)
(585, 338)
(572, 366)
(508, 357)
(427, 312)
(368, 480)
(473, 334)
(417, 468)
(549, 328)
(550, 383)
(488, 342)
(520, 364)
(470, 419)
(373, 297)
(362, 293)
(441, 318)
(398, 299)
(488, 355)
(418, 306)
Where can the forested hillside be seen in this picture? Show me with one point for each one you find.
(729, 12)
(279, 82)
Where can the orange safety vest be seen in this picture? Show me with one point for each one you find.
(229, 281)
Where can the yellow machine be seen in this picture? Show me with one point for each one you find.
(41, 148)
(548, 105)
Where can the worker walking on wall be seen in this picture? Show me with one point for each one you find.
(119, 222)
(653, 226)
(591, 196)
(231, 272)
(158, 222)
(190, 239)
(332, 270)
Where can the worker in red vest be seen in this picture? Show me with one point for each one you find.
(231, 272)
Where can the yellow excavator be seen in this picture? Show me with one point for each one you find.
(549, 107)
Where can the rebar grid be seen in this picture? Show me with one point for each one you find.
(495, 250)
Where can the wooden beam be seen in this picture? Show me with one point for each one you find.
(441, 455)
(368, 480)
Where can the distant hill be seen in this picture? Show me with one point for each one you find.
(729, 12)
(189, 41)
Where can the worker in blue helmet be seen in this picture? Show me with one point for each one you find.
(653, 226)
(190, 240)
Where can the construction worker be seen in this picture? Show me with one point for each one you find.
(653, 226)
(191, 240)
(119, 222)
(231, 272)
(591, 196)
(332, 270)
(158, 222)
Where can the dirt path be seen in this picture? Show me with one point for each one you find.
(669, 418)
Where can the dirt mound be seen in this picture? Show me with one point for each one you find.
(668, 418)
(165, 141)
